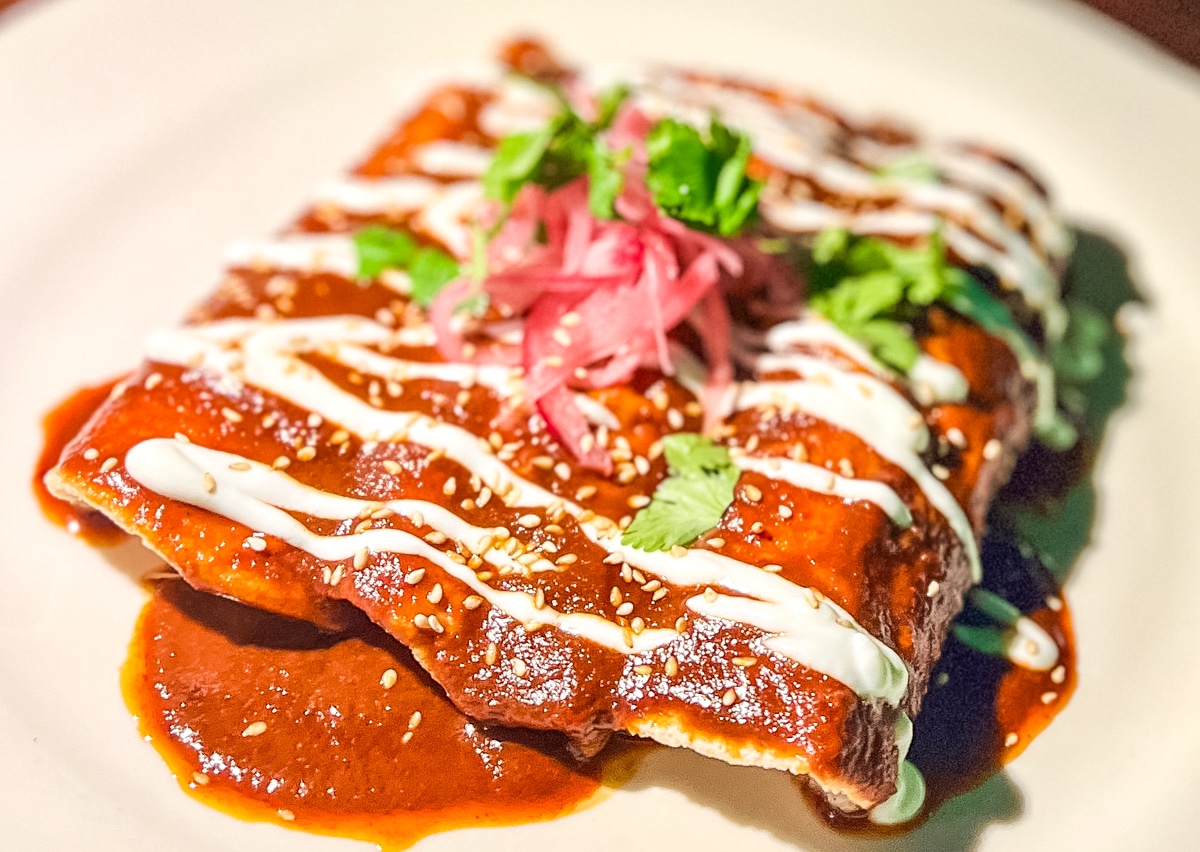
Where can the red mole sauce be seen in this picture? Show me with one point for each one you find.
(267, 718)
(59, 426)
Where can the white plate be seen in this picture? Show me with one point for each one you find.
(136, 138)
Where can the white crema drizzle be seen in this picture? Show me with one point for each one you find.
(807, 628)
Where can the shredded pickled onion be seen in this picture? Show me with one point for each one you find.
(598, 297)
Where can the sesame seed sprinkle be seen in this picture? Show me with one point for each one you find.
(729, 697)
(1058, 675)
(529, 521)
(492, 654)
(1011, 740)
(1049, 697)
(672, 666)
(91, 454)
(992, 449)
(255, 543)
(306, 453)
(435, 594)
(199, 779)
(472, 602)
(415, 576)
(210, 484)
(109, 464)
(519, 668)
(255, 729)
(643, 669)
(389, 678)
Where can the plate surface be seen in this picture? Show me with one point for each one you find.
(138, 137)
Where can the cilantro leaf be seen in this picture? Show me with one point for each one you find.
(381, 248)
(701, 181)
(872, 288)
(429, 269)
(564, 149)
(693, 497)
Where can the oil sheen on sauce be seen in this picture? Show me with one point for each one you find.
(59, 426)
(268, 718)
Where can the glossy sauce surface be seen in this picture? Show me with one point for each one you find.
(268, 718)
(59, 426)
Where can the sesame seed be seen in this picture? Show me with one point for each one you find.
(306, 453)
(210, 484)
(392, 467)
(672, 667)
(710, 594)
(1010, 740)
(240, 466)
(407, 738)
(109, 464)
(681, 624)
(1054, 603)
(1049, 697)
(751, 493)
(153, 380)
(341, 436)
(566, 559)
(643, 669)
(529, 521)
(675, 418)
(414, 577)
(659, 595)
(199, 779)
(231, 415)
(539, 599)
(561, 337)
(729, 697)
(785, 512)
(435, 537)
(91, 454)
(563, 471)
(1059, 674)
(389, 678)
(435, 594)
(638, 501)
(472, 602)
(360, 558)
(956, 438)
(615, 597)
(417, 519)
(612, 559)
(450, 487)
(255, 543)
(678, 551)
(255, 729)
(693, 409)
(281, 462)
(519, 668)
(992, 449)
(772, 567)
(744, 662)
(569, 319)
(934, 585)
(627, 636)
(715, 541)
(492, 653)
(553, 361)
(625, 609)
(940, 471)
(652, 586)
(336, 575)
(285, 815)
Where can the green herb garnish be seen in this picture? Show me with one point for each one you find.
(693, 497)
(871, 289)
(701, 181)
(566, 148)
(430, 269)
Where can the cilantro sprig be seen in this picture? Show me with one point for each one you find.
(567, 147)
(697, 178)
(693, 497)
(702, 180)
(429, 269)
(872, 289)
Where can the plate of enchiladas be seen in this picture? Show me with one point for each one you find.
(594, 426)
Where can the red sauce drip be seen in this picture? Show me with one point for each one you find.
(59, 426)
(335, 756)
